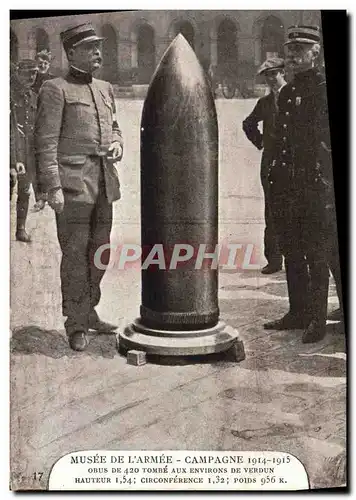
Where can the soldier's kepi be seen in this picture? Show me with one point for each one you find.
(302, 186)
(179, 205)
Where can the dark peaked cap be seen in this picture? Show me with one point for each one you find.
(272, 63)
(73, 37)
(44, 54)
(303, 34)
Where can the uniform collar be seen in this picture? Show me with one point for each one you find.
(309, 74)
(276, 92)
(78, 76)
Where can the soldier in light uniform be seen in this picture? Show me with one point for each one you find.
(301, 188)
(22, 158)
(78, 143)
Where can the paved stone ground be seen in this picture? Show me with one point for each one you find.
(284, 396)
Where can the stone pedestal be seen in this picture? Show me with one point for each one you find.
(213, 340)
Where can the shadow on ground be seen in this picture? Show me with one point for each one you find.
(284, 350)
(264, 350)
(54, 344)
(222, 359)
(278, 287)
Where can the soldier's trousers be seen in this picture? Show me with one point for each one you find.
(303, 235)
(23, 196)
(271, 244)
(333, 252)
(82, 229)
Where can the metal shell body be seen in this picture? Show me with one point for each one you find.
(179, 191)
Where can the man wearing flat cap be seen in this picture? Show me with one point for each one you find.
(22, 154)
(265, 111)
(43, 59)
(301, 182)
(78, 145)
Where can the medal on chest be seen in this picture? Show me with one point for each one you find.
(298, 101)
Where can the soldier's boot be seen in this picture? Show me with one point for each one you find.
(318, 304)
(76, 329)
(315, 332)
(22, 210)
(338, 314)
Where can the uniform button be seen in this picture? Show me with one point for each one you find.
(271, 182)
(287, 113)
(293, 88)
(289, 101)
(284, 125)
(284, 151)
(283, 164)
(284, 138)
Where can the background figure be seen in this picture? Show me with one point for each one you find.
(211, 77)
(78, 140)
(23, 112)
(14, 140)
(43, 58)
(300, 189)
(265, 111)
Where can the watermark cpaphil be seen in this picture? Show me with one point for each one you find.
(225, 256)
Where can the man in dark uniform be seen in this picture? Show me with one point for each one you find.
(300, 188)
(43, 59)
(78, 143)
(265, 111)
(22, 159)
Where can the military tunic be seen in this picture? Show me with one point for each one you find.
(300, 192)
(23, 114)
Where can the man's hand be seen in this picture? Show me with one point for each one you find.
(13, 174)
(56, 200)
(13, 179)
(115, 152)
(39, 205)
(20, 168)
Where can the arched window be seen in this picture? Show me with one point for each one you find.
(227, 51)
(187, 31)
(42, 40)
(272, 38)
(110, 68)
(145, 53)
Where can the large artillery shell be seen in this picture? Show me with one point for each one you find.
(179, 191)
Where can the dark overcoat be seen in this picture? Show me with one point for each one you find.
(22, 122)
(301, 164)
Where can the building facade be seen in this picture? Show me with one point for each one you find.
(224, 41)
